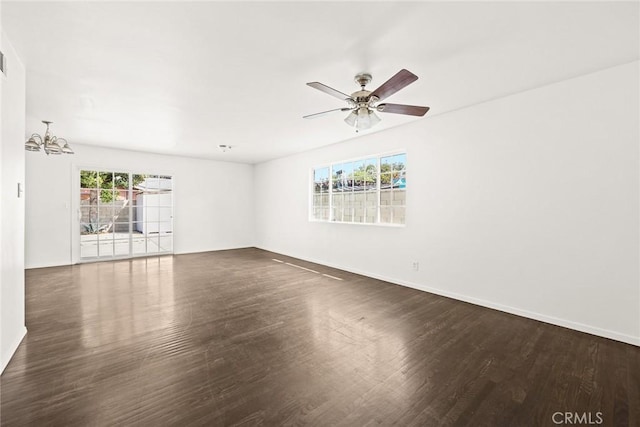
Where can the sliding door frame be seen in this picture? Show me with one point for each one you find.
(76, 214)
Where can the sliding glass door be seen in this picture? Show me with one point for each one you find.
(124, 214)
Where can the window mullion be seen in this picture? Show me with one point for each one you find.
(130, 201)
(378, 188)
(331, 218)
(98, 203)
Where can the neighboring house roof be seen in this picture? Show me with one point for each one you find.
(155, 185)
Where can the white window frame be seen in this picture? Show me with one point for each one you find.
(329, 165)
(75, 213)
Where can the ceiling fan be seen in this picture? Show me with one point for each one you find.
(364, 103)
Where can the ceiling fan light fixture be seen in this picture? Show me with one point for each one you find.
(352, 118)
(373, 118)
(367, 118)
(362, 119)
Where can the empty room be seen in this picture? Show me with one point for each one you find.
(320, 213)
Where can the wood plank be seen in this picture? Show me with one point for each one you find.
(233, 337)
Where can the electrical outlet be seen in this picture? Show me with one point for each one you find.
(415, 265)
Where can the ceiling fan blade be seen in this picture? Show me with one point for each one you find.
(313, 116)
(331, 91)
(401, 79)
(411, 110)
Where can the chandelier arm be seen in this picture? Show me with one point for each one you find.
(35, 135)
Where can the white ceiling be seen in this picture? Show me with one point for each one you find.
(182, 78)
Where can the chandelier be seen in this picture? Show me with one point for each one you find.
(50, 143)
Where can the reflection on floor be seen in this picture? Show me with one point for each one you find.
(117, 244)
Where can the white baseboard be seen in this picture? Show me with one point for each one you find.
(12, 349)
(222, 248)
(593, 330)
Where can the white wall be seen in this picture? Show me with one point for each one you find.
(528, 204)
(213, 201)
(12, 326)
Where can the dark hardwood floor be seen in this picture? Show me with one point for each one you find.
(235, 338)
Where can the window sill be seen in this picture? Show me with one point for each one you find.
(376, 224)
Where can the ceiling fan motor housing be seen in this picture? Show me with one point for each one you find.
(361, 96)
(363, 79)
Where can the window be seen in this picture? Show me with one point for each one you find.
(321, 194)
(366, 191)
(124, 214)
